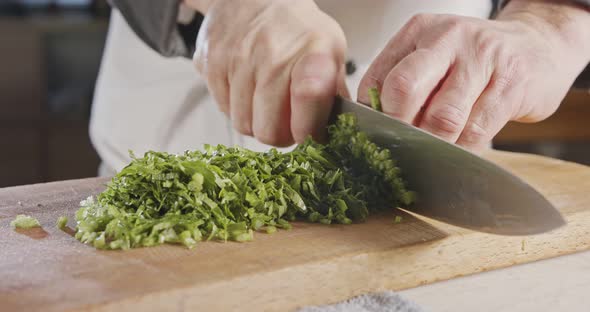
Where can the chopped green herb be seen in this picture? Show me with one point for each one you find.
(375, 99)
(62, 222)
(24, 222)
(226, 193)
(522, 245)
(397, 219)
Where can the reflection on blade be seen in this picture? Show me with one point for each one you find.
(454, 185)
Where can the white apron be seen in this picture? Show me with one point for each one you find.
(144, 101)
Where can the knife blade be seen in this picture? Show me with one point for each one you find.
(454, 185)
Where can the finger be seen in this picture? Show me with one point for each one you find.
(217, 82)
(490, 113)
(241, 93)
(271, 114)
(313, 87)
(213, 70)
(402, 44)
(410, 83)
(447, 113)
(218, 86)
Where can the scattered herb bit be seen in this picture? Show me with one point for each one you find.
(62, 222)
(375, 99)
(227, 193)
(522, 245)
(397, 219)
(24, 222)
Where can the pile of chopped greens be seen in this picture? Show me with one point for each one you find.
(227, 193)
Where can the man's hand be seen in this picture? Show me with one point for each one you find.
(273, 66)
(463, 79)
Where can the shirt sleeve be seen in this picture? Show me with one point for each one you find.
(156, 22)
(583, 80)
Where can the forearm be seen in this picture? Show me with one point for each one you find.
(567, 24)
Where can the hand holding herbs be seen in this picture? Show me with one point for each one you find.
(226, 193)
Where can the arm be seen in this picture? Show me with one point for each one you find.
(156, 22)
(583, 80)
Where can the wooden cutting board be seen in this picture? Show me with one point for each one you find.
(48, 270)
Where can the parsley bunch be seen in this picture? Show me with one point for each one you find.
(226, 193)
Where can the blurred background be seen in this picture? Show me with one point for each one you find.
(50, 53)
(49, 58)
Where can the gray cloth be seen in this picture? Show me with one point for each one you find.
(378, 302)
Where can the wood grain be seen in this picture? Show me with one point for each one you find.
(311, 264)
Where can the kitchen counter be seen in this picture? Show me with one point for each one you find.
(558, 284)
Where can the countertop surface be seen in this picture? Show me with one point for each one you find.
(558, 284)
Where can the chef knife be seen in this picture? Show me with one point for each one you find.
(454, 185)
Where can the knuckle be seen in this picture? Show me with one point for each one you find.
(419, 20)
(308, 90)
(487, 44)
(512, 72)
(516, 65)
(374, 77)
(475, 134)
(400, 86)
(454, 28)
(241, 57)
(455, 23)
(447, 121)
(503, 82)
(266, 46)
(460, 81)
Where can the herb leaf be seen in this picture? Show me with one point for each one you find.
(24, 222)
(375, 99)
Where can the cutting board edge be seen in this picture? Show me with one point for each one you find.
(379, 264)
